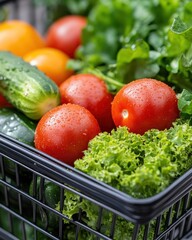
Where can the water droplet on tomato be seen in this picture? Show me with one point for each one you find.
(125, 113)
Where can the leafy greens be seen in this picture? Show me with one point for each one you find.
(127, 40)
(139, 165)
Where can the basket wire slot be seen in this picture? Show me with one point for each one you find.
(171, 223)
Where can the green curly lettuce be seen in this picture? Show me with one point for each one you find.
(139, 165)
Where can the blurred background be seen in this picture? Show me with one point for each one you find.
(27, 10)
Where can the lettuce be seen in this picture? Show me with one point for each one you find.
(185, 105)
(139, 165)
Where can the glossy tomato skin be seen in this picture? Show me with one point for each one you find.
(65, 34)
(51, 61)
(19, 37)
(90, 92)
(64, 132)
(145, 104)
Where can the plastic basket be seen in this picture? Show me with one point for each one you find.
(166, 216)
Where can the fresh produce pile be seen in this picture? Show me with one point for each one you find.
(107, 90)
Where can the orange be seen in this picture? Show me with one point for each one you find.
(19, 37)
(51, 61)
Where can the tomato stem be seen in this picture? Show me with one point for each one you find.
(107, 79)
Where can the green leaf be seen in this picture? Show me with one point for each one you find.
(136, 61)
(179, 27)
(185, 102)
(179, 38)
(107, 23)
(132, 51)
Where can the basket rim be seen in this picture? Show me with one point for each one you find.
(136, 210)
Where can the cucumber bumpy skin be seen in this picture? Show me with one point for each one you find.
(25, 87)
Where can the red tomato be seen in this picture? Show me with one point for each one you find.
(4, 102)
(65, 34)
(90, 92)
(64, 132)
(145, 104)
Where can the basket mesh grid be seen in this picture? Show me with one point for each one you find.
(27, 202)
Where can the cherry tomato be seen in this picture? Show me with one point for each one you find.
(65, 34)
(19, 37)
(4, 102)
(51, 61)
(90, 92)
(64, 132)
(145, 104)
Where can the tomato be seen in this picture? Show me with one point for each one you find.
(64, 132)
(19, 37)
(90, 92)
(145, 104)
(51, 61)
(4, 102)
(65, 34)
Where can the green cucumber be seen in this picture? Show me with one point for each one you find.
(13, 196)
(48, 193)
(25, 87)
(18, 228)
(16, 125)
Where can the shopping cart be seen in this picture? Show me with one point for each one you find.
(25, 212)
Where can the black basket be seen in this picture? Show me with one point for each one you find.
(25, 212)
(167, 215)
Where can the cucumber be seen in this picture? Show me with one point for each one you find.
(48, 193)
(25, 87)
(16, 125)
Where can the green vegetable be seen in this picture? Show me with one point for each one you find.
(185, 104)
(15, 124)
(139, 165)
(138, 42)
(13, 195)
(18, 228)
(25, 87)
(48, 193)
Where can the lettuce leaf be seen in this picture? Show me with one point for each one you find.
(140, 166)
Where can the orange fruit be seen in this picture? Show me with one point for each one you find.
(19, 37)
(51, 61)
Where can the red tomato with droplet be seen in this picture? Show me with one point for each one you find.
(65, 131)
(145, 104)
(65, 34)
(90, 92)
